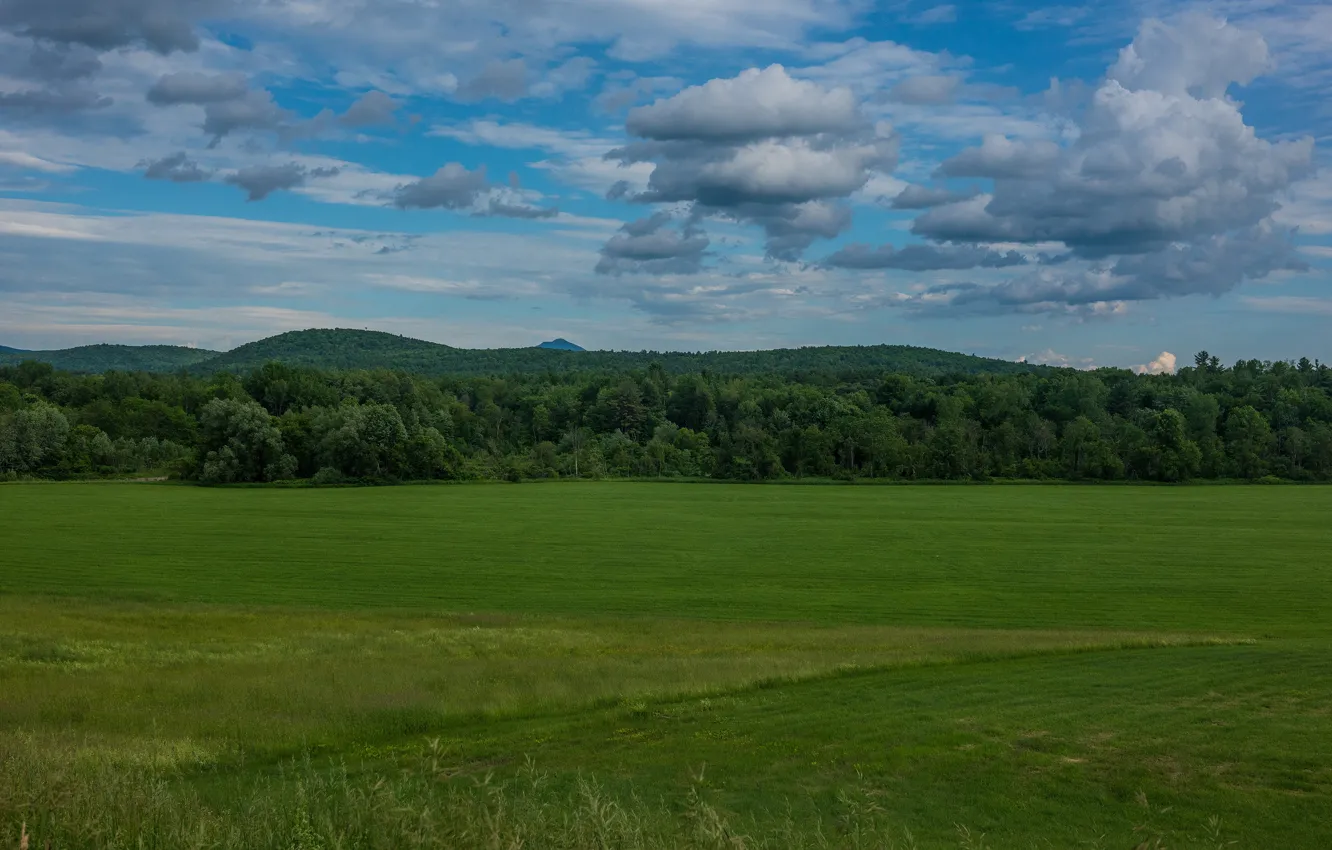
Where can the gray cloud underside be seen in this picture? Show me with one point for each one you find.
(506, 210)
(371, 109)
(231, 105)
(501, 80)
(53, 101)
(201, 89)
(452, 187)
(1212, 268)
(254, 111)
(260, 181)
(178, 168)
(916, 197)
(648, 246)
(161, 25)
(63, 63)
(921, 258)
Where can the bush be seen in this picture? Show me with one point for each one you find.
(326, 476)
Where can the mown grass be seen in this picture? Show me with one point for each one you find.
(638, 665)
(1124, 558)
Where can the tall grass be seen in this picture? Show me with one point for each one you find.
(215, 684)
(78, 802)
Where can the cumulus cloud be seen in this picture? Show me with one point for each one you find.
(164, 26)
(510, 210)
(256, 110)
(501, 80)
(1162, 365)
(916, 197)
(925, 90)
(260, 181)
(229, 104)
(920, 258)
(648, 246)
(565, 77)
(760, 148)
(1164, 191)
(771, 171)
(791, 228)
(372, 108)
(512, 79)
(196, 88)
(626, 89)
(178, 168)
(452, 187)
(1000, 158)
(1211, 267)
(1194, 57)
(64, 62)
(757, 104)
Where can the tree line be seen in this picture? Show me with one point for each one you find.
(1253, 420)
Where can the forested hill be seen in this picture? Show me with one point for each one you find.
(340, 348)
(4, 349)
(359, 349)
(120, 358)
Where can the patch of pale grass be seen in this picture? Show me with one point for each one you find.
(224, 681)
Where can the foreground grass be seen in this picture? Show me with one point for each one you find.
(1196, 746)
(683, 666)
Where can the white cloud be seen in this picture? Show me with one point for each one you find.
(28, 162)
(1050, 357)
(757, 104)
(762, 148)
(1165, 191)
(1164, 364)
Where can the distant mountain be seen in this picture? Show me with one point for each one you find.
(337, 348)
(4, 349)
(359, 349)
(121, 358)
(561, 344)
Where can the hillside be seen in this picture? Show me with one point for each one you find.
(4, 349)
(360, 349)
(336, 348)
(124, 358)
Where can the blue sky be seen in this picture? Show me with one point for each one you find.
(1084, 185)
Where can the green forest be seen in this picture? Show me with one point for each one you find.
(1251, 421)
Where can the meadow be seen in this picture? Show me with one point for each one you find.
(638, 664)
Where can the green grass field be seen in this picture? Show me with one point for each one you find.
(621, 664)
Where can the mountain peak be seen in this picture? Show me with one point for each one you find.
(561, 344)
